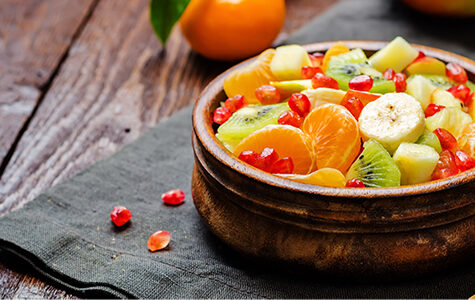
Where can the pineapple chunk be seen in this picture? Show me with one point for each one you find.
(420, 88)
(397, 55)
(452, 119)
(416, 162)
(322, 96)
(442, 97)
(288, 61)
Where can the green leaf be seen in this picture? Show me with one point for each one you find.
(164, 14)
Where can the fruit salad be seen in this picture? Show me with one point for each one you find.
(341, 119)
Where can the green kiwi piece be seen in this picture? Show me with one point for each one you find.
(247, 120)
(444, 82)
(375, 167)
(430, 139)
(345, 66)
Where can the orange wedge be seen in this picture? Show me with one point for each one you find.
(466, 140)
(287, 141)
(336, 49)
(324, 177)
(335, 135)
(244, 81)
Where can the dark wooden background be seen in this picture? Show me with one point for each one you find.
(78, 80)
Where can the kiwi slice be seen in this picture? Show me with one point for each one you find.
(430, 139)
(247, 120)
(443, 81)
(345, 66)
(375, 167)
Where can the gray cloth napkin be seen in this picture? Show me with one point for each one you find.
(66, 235)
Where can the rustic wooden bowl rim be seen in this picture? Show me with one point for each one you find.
(204, 132)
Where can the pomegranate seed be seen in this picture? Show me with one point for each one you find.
(354, 105)
(322, 80)
(249, 157)
(266, 159)
(235, 103)
(291, 118)
(361, 83)
(173, 197)
(159, 240)
(120, 215)
(446, 166)
(400, 81)
(456, 72)
(308, 72)
(447, 140)
(300, 104)
(267, 94)
(464, 161)
(221, 115)
(364, 97)
(462, 93)
(283, 166)
(316, 59)
(355, 183)
(432, 109)
(419, 56)
(389, 74)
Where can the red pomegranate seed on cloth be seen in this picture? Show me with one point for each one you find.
(159, 240)
(120, 215)
(174, 197)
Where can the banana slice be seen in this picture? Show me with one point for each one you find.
(392, 119)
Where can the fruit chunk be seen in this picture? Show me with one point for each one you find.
(247, 120)
(444, 98)
(322, 80)
(355, 183)
(452, 119)
(174, 197)
(287, 88)
(345, 66)
(354, 105)
(416, 162)
(337, 49)
(159, 240)
(396, 55)
(283, 166)
(324, 177)
(420, 88)
(322, 96)
(244, 81)
(430, 139)
(375, 167)
(309, 72)
(335, 136)
(288, 61)
(287, 141)
(426, 65)
(291, 118)
(364, 97)
(120, 215)
(300, 104)
(432, 109)
(466, 140)
(391, 120)
(446, 166)
(463, 161)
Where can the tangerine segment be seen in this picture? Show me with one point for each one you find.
(324, 177)
(287, 141)
(466, 140)
(335, 135)
(336, 49)
(244, 81)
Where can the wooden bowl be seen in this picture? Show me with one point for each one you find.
(401, 230)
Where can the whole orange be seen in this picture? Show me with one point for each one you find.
(232, 29)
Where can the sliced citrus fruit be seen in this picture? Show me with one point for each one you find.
(466, 140)
(335, 135)
(287, 141)
(336, 49)
(244, 81)
(323, 177)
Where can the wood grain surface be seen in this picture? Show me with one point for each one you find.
(108, 80)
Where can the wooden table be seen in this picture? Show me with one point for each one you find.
(78, 80)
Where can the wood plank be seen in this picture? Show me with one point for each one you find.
(116, 82)
(33, 39)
